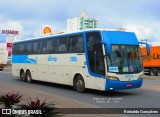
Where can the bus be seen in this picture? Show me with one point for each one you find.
(90, 59)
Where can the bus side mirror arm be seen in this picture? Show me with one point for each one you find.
(147, 47)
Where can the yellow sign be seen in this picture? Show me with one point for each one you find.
(47, 30)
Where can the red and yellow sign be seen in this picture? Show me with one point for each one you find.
(47, 30)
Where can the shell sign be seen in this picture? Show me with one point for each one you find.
(47, 30)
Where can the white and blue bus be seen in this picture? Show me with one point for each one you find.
(94, 59)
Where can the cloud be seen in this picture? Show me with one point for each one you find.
(11, 25)
(143, 33)
(139, 15)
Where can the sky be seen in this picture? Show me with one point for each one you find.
(27, 16)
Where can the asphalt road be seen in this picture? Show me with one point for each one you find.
(146, 97)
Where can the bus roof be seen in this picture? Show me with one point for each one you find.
(68, 33)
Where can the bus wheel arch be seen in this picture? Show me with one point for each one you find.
(28, 76)
(79, 83)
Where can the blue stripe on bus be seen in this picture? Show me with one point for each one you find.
(23, 59)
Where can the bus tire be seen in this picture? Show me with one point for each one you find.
(158, 72)
(22, 74)
(29, 76)
(153, 71)
(79, 84)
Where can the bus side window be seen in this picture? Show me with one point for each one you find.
(49, 48)
(44, 46)
(62, 44)
(76, 44)
(39, 47)
(56, 45)
(62, 48)
(21, 48)
(16, 49)
(29, 48)
(35, 49)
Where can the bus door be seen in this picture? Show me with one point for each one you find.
(96, 58)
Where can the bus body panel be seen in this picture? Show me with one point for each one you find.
(60, 69)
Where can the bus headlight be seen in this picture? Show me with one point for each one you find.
(141, 76)
(112, 78)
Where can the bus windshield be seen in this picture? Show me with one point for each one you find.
(124, 59)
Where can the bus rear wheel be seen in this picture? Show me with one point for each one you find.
(23, 76)
(153, 72)
(29, 77)
(79, 84)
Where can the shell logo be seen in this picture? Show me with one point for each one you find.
(47, 30)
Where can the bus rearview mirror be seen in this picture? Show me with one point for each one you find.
(147, 47)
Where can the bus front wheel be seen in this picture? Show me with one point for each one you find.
(79, 84)
(29, 76)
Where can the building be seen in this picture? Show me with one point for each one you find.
(81, 23)
(7, 37)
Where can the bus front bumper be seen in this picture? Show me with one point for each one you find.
(120, 85)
